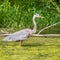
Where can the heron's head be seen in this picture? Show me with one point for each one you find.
(37, 15)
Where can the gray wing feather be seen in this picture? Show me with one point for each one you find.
(20, 35)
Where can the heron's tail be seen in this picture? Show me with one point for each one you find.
(8, 38)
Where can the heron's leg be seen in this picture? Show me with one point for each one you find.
(21, 41)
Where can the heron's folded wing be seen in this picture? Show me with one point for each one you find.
(15, 38)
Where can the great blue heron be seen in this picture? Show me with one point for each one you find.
(23, 34)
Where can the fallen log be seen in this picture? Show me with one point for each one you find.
(37, 35)
(46, 35)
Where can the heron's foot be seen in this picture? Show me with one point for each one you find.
(21, 42)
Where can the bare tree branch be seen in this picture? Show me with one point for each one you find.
(3, 35)
(47, 27)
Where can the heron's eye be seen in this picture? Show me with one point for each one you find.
(37, 14)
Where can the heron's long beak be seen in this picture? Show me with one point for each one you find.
(41, 17)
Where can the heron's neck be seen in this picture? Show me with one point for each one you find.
(35, 27)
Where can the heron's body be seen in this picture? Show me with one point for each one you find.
(20, 35)
(23, 34)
